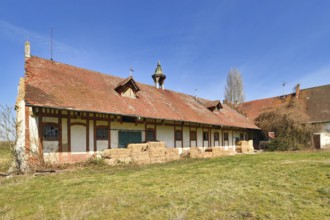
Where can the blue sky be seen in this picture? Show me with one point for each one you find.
(197, 42)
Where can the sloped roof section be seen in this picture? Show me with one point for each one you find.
(57, 85)
(316, 103)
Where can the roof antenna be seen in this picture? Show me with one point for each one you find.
(283, 85)
(51, 43)
(196, 94)
(131, 71)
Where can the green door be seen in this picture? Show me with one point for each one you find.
(129, 137)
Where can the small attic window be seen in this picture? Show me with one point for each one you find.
(127, 88)
(213, 106)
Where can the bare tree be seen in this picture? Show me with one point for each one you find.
(234, 92)
(8, 126)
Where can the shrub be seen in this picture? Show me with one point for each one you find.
(290, 127)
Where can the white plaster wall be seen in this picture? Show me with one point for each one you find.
(327, 127)
(199, 134)
(105, 123)
(206, 144)
(101, 145)
(50, 119)
(178, 144)
(325, 140)
(127, 126)
(50, 149)
(78, 121)
(34, 136)
(20, 144)
(186, 137)
(166, 134)
(216, 144)
(114, 139)
(78, 139)
(193, 144)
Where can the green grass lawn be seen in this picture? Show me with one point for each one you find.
(262, 186)
(5, 158)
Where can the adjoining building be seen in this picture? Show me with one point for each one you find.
(66, 114)
(315, 103)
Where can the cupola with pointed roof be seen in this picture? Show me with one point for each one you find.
(159, 77)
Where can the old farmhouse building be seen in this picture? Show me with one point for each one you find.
(315, 103)
(66, 113)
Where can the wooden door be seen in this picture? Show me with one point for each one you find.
(317, 141)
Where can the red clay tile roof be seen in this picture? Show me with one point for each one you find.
(61, 86)
(316, 102)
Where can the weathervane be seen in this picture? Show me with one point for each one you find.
(51, 43)
(131, 71)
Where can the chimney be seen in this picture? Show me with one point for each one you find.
(27, 53)
(297, 91)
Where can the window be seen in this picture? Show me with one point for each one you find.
(193, 136)
(150, 135)
(128, 137)
(225, 136)
(101, 133)
(205, 136)
(178, 135)
(241, 136)
(50, 132)
(216, 136)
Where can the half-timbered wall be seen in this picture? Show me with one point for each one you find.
(77, 133)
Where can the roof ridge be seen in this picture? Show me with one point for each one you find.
(310, 88)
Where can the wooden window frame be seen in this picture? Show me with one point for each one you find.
(178, 135)
(50, 125)
(106, 132)
(216, 136)
(193, 137)
(154, 134)
(225, 136)
(206, 136)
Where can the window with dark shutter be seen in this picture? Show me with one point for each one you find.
(216, 136)
(101, 133)
(205, 136)
(150, 135)
(225, 136)
(178, 135)
(193, 135)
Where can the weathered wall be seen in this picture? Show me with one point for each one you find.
(325, 141)
(166, 134)
(34, 135)
(78, 139)
(50, 150)
(20, 132)
(78, 132)
(186, 138)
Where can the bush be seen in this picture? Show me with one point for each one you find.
(290, 127)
